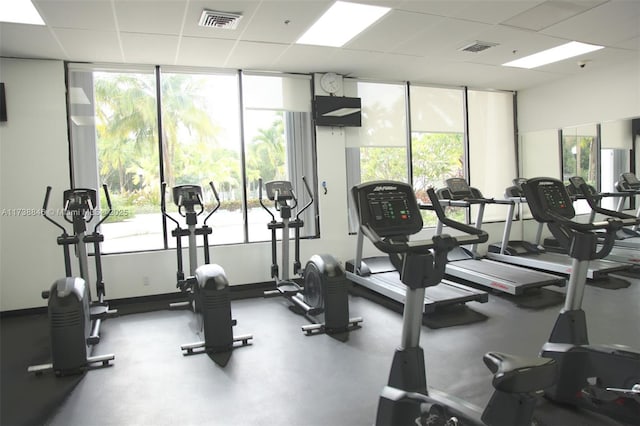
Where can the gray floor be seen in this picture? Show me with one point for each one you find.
(286, 378)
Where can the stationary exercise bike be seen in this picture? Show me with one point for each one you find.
(323, 299)
(388, 215)
(207, 286)
(74, 318)
(601, 378)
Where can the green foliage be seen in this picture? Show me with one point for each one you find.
(579, 158)
(192, 150)
(436, 157)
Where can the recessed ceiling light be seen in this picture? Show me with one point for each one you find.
(559, 53)
(341, 22)
(19, 12)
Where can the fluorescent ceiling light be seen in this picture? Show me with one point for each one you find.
(19, 12)
(341, 112)
(559, 53)
(341, 22)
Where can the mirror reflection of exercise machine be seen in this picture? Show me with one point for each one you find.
(389, 215)
(533, 255)
(623, 249)
(74, 317)
(601, 378)
(323, 297)
(206, 287)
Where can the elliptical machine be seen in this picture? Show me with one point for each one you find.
(388, 215)
(207, 286)
(324, 297)
(74, 318)
(601, 378)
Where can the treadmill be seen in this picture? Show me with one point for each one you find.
(629, 186)
(443, 303)
(534, 255)
(466, 265)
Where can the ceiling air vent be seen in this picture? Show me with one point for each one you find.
(477, 46)
(215, 19)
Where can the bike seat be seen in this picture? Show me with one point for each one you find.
(514, 374)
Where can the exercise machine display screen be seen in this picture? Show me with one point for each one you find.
(281, 189)
(631, 181)
(459, 188)
(389, 208)
(549, 195)
(187, 195)
(389, 212)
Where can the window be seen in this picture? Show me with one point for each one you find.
(492, 146)
(201, 144)
(580, 158)
(616, 142)
(124, 135)
(278, 136)
(114, 133)
(378, 149)
(437, 142)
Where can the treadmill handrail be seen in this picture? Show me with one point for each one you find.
(436, 205)
(626, 219)
(474, 235)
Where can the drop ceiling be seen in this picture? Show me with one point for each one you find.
(418, 41)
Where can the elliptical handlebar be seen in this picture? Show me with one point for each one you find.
(215, 194)
(273, 217)
(108, 198)
(306, 185)
(163, 204)
(45, 206)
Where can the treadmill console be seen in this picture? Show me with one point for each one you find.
(187, 195)
(546, 195)
(387, 207)
(458, 188)
(628, 182)
(575, 187)
(280, 189)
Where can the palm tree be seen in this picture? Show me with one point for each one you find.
(266, 158)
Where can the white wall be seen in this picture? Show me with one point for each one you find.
(605, 94)
(33, 154)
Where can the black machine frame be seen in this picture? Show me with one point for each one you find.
(323, 297)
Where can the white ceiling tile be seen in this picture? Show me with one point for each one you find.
(81, 45)
(283, 21)
(392, 30)
(253, 55)
(149, 48)
(158, 17)
(29, 41)
(208, 52)
(607, 24)
(81, 14)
